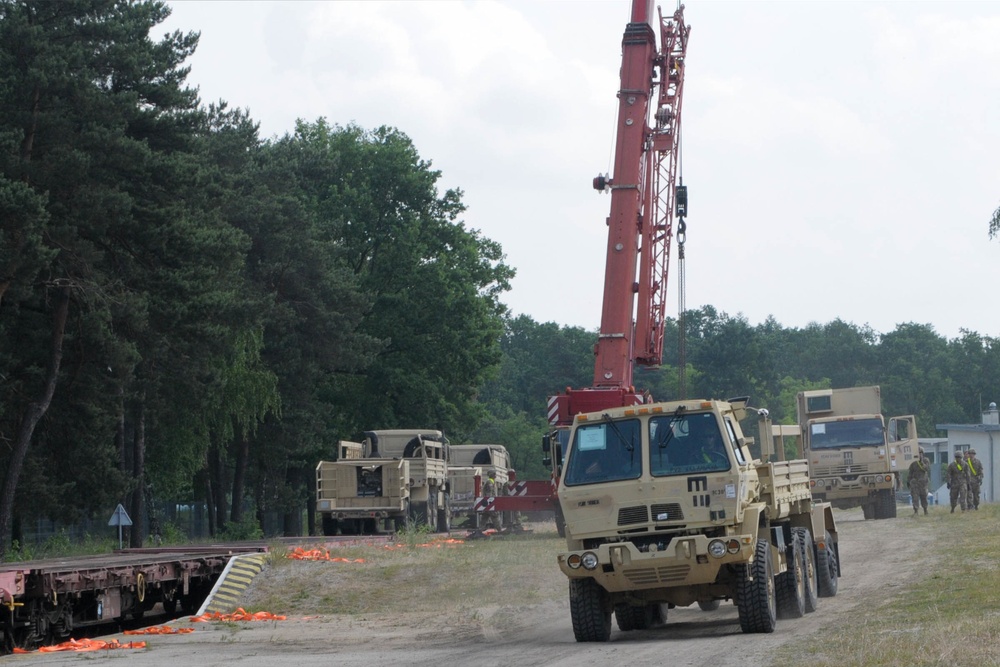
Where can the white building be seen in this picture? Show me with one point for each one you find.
(985, 439)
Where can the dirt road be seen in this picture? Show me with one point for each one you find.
(502, 632)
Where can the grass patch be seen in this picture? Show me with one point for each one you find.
(430, 575)
(945, 613)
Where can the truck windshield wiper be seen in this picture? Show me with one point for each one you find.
(630, 446)
(678, 413)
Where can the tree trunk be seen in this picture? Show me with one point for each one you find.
(209, 498)
(217, 473)
(137, 512)
(242, 445)
(32, 414)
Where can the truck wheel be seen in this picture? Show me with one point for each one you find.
(790, 586)
(755, 593)
(885, 504)
(868, 510)
(709, 605)
(432, 511)
(827, 568)
(805, 543)
(329, 525)
(591, 611)
(444, 517)
(418, 513)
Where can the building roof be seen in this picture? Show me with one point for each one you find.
(968, 427)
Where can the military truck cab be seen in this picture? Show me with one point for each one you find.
(664, 506)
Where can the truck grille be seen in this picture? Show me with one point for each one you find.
(657, 575)
(828, 471)
(672, 510)
(630, 515)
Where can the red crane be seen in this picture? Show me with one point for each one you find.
(645, 196)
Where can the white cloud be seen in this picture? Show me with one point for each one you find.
(841, 157)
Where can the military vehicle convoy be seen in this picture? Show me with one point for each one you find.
(855, 457)
(664, 507)
(393, 480)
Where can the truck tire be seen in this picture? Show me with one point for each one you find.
(805, 543)
(756, 597)
(885, 504)
(329, 525)
(418, 513)
(790, 586)
(432, 511)
(827, 568)
(444, 517)
(590, 610)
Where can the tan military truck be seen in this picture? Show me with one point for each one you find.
(392, 480)
(465, 464)
(854, 456)
(665, 507)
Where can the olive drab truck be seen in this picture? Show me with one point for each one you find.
(468, 467)
(664, 507)
(392, 480)
(855, 457)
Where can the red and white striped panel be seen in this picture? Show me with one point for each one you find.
(553, 410)
(484, 505)
(518, 489)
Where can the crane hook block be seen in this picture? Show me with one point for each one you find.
(682, 201)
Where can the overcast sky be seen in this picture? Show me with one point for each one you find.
(842, 158)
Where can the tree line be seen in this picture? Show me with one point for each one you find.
(191, 313)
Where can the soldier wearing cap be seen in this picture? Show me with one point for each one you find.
(958, 481)
(975, 467)
(918, 478)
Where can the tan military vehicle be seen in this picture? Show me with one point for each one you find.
(665, 507)
(465, 464)
(854, 456)
(394, 479)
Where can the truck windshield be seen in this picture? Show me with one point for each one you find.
(604, 452)
(850, 433)
(686, 443)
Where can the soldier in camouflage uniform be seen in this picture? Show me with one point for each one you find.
(958, 482)
(918, 479)
(491, 490)
(975, 467)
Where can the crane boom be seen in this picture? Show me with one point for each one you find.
(644, 196)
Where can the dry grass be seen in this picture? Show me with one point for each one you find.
(947, 614)
(429, 574)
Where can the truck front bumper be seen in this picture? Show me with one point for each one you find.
(685, 561)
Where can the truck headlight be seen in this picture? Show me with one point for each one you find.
(589, 560)
(717, 548)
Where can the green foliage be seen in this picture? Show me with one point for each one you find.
(247, 529)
